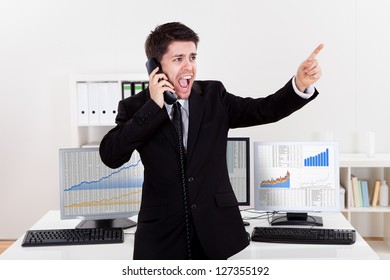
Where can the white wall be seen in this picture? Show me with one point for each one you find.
(253, 46)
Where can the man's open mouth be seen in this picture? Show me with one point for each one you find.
(184, 81)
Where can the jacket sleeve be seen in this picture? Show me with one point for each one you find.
(245, 112)
(135, 124)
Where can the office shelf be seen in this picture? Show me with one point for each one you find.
(361, 160)
(369, 221)
(376, 209)
(88, 133)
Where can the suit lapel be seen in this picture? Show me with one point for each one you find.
(196, 113)
(166, 128)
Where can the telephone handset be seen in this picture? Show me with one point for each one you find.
(151, 64)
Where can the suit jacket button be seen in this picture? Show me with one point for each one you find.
(191, 179)
(193, 206)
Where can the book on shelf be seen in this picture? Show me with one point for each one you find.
(362, 194)
(375, 193)
(355, 191)
(364, 191)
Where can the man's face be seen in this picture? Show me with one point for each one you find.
(179, 64)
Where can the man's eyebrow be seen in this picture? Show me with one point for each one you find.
(177, 55)
(182, 55)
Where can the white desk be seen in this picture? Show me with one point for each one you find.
(256, 250)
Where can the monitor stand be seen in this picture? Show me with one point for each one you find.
(297, 219)
(109, 223)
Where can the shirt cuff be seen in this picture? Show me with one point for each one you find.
(309, 91)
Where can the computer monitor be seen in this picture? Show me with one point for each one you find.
(296, 178)
(237, 158)
(98, 195)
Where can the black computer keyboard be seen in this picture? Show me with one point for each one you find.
(303, 235)
(52, 237)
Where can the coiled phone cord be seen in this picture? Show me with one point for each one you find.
(177, 122)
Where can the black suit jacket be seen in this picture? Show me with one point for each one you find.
(143, 126)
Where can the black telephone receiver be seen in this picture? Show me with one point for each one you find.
(151, 64)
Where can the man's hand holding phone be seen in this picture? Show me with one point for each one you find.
(160, 88)
(158, 84)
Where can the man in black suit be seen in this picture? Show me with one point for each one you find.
(188, 209)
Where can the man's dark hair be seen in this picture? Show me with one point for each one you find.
(157, 43)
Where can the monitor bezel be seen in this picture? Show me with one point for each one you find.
(296, 209)
(85, 217)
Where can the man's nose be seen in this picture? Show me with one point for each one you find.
(187, 64)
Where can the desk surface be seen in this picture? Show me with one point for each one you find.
(256, 250)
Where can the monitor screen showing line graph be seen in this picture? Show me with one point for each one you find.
(91, 191)
(296, 176)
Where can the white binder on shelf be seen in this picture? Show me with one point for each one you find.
(115, 97)
(82, 103)
(104, 104)
(93, 103)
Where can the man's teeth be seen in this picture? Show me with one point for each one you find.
(186, 77)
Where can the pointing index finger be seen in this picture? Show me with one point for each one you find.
(316, 51)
